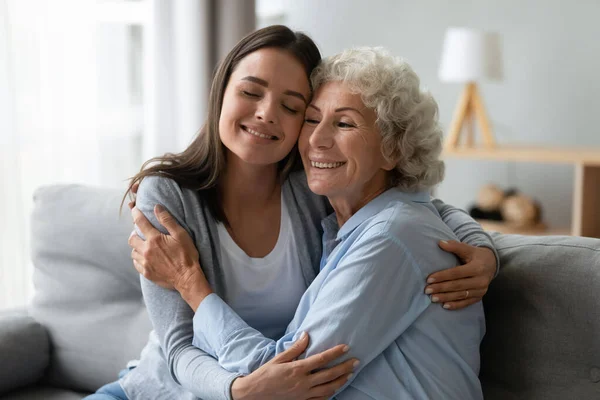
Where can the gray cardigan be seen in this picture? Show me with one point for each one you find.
(183, 371)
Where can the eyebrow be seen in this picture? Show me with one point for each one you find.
(337, 109)
(264, 83)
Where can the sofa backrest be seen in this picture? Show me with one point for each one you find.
(542, 311)
(543, 320)
(87, 292)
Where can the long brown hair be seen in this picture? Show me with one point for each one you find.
(201, 165)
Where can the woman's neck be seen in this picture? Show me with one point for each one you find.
(346, 205)
(248, 186)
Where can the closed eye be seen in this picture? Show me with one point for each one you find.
(311, 121)
(289, 109)
(345, 125)
(250, 94)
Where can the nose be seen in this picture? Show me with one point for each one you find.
(266, 111)
(321, 137)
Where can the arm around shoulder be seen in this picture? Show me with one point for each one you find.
(465, 228)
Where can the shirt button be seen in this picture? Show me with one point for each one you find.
(595, 374)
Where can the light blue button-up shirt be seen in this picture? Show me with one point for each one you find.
(370, 295)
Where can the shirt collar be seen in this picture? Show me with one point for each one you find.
(371, 208)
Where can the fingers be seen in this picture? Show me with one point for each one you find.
(457, 305)
(330, 374)
(458, 296)
(455, 285)
(327, 390)
(293, 352)
(139, 262)
(321, 360)
(135, 242)
(138, 267)
(462, 250)
(134, 190)
(144, 272)
(458, 272)
(166, 219)
(143, 224)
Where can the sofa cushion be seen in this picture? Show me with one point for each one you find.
(43, 393)
(24, 348)
(543, 320)
(87, 293)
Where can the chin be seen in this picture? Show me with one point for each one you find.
(258, 158)
(319, 188)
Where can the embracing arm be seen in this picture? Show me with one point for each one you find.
(336, 308)
(171, 317)
(465, 228)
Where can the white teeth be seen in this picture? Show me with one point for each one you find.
(326, 165)
(253, 132)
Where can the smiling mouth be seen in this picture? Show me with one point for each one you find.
(258, 134)
(321, 165)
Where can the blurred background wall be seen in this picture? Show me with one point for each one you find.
(89, 89)
(550, 94)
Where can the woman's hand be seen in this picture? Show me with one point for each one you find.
(168, 260)
(466, 284)
(134, 190)
(284, 377)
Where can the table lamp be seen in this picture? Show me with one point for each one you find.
(470, 56)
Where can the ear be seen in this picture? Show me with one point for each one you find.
(389, 164)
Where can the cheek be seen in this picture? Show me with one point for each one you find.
(364, 158)
(224, 126)
(293, 127)
(226, 114)
(303, 139)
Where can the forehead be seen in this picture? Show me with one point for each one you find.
(276, 66)
(337, 94)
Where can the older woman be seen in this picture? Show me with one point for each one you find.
(371, 144)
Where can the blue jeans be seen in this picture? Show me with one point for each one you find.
(110, 391)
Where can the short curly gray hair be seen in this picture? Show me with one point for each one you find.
(407, 117)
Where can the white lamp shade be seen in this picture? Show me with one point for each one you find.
(470, 55)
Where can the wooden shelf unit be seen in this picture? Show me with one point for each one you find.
(586, 190)
(538, 230)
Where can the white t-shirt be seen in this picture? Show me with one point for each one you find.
(264, 292)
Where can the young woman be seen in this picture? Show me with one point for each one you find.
(239, 192)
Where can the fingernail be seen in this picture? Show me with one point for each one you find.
(435, 299)
(346, 348)
(160, 208)
(447, 306)
(356, 363)
(303, 336)
(428, 291)
(349, 376)
(430, 280)
(443, 241)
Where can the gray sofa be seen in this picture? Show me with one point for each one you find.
(87, 318)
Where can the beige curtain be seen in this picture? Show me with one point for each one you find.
(51, 129)
(47, 119)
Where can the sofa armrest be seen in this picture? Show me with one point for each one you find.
(24, 350)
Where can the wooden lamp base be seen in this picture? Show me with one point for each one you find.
(470, 106)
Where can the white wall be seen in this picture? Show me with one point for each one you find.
(549, 95)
